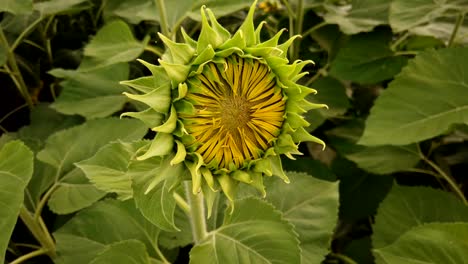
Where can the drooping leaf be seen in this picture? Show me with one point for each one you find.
(56, 7)
(359, 16)
(311, 205)
(94, 229)
(377, 159)
(422, 102)
(430, 243)
(73, 193)
(16, 168)
(254, 233)
(123, 252)
(133, 11)
(153, 181)
(16, 7)
(408, 207)
(114, 43)
(330, 92)
(108, 168)
(366, 58)
(92, 93)
(405, 15)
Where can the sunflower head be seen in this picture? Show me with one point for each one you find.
(226, 106)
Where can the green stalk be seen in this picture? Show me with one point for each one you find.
(298, 26)
(453, 185)
(163, 17)
(12, 67)
(459, 22)
(39, 231)
(197, 213)
(30, 255)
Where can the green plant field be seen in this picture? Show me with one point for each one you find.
(98, 164)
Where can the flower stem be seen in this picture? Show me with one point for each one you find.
(163, 17)
(197, 213)
(30, 255)
(460, 19)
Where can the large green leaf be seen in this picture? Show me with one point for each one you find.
(73, 193)
(93, 93)
(377, 159)
(311, 205)
(16, 7)
(114, 43)
(16, 168)
(430, 243)
(93, 231)
(108, 168)
(359, 16)
(332, 93)
(407, 207)
(66, 147)
(423, 101)
(254, 233)
(366, 58)
(405, 15)
(124, 252)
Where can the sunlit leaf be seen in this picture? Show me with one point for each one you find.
(311, 205)
(16, 168)
(430, 243)
(367, 58)
(94, 93)
(423, 101)
(359, 16)
(408, 207)
(405, 15)
(254, 233)
(95, 229)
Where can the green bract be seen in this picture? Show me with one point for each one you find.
(226, 106)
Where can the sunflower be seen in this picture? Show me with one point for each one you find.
(225, 106)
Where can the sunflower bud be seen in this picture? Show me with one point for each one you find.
(226, 105)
